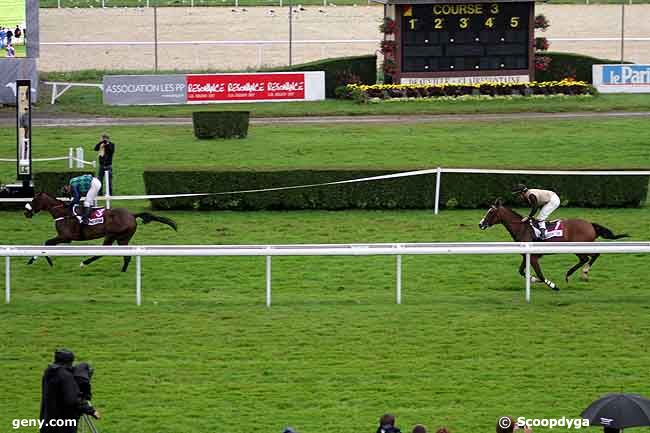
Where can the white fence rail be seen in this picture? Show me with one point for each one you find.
(395, 249)
(75, 158)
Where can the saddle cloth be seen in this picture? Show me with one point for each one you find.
(96, 215)
(554, 229)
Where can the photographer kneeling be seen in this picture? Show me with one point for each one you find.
(62, 401)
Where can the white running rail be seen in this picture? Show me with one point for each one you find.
(75, 158)
(395, 249)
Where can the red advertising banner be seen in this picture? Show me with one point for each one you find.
(245, 87)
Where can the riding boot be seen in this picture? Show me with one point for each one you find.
(542, 229)
(85, 215)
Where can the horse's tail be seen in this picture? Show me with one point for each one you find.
(148, 217)
(607, 233)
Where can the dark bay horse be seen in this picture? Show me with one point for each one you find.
(119, 225)
(575, 230)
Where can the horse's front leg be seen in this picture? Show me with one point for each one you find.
(534, 261)
(50, 242)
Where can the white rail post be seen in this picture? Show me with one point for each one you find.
(437, 198)
(7, 279)
(70, 157)
(268, 281)
(80, 157)
(528, 277)
(107, 189)
(138, 280)
(399, 279)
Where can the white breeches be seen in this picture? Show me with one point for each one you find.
(548, 208)
(91, 195)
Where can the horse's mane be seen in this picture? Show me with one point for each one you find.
(49, 196)
(512, 211)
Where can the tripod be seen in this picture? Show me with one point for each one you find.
(87, 424)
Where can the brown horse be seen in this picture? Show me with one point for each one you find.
(575, 230)
(119, 225)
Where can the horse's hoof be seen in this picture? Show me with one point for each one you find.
(556, 288)
(584, 277)
(566, 278)
(82, 265)
(30, 261)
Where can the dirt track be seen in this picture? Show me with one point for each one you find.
(258, 24)
(80, 120)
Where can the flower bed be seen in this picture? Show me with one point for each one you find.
(364, 93)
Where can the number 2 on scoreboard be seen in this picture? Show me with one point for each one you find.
(438, 23)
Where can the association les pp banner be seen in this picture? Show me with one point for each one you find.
(246, 87)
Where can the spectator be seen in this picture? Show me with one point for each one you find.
(60, 398)
(11, 52)
(289, 430)
(442, 430)
(17, 32)
(9, 35)
(610, 430)
(419, 428)
(3, 36)
(106, 149)
(387, 424)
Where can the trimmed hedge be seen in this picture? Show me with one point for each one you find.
(479, 190)
(414, 192)
(222, 124)
(341, 71)
(51, 182)
(568, 65)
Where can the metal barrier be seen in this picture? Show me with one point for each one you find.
(395, 249)
(75, 158)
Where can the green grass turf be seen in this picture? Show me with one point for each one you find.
(12, 12)
(89, 101)
(334, 352)
(602, 144)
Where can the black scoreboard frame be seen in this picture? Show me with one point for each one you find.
(401, 5)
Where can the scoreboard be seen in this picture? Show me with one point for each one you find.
(464, 42)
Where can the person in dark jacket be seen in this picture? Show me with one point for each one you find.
(61, 398)
(106, 149)
(387, 424)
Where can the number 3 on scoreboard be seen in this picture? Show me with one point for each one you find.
(463, 23)
(438, 23)
(514, 22)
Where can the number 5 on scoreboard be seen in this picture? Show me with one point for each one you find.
(514, 22)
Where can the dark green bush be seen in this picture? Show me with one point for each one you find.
(414, 192)
(222, 124)
(342, 71)
(479, 190)
(568, 65)
(51, 182)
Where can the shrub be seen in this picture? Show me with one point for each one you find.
(414, 192)
(222, 124)
(51, 182)
(567, 65)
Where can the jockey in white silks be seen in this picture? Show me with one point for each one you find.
(538, 199)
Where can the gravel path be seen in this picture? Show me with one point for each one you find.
(81, 121)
